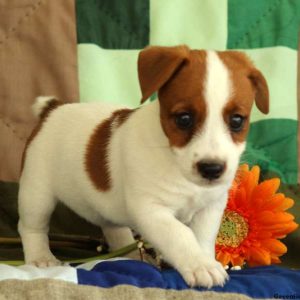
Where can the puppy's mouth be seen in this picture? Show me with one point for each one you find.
(208, 183)
(224, 180)
(211, 182)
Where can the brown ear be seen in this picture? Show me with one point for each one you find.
(262, 92)
(156, 65)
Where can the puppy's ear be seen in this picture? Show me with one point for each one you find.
(156, 65)
(261, 90)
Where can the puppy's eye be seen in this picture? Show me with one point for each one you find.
(184, 120)
(236, 122)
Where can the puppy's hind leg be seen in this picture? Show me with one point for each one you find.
(36, 205)
(117, 237)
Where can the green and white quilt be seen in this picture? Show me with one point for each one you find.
(111, 34)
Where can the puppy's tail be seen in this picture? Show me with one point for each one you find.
(43, 105)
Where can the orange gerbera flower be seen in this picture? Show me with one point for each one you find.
(253, 221)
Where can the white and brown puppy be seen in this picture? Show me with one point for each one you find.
(163, 169)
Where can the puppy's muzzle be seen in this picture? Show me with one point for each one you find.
(211, 170)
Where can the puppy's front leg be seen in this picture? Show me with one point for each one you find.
(206, 223)
(179, 246)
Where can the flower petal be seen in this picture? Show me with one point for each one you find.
(241, 173)
(237, 260)
(240, 200)
(278, 202)
(244, 167)
(269, 217)
(255, 172)
(249, 184)
(281, 230)
(284, 217)
(266, 189)
(273, 202)
(275, 260)
(262, 235)
(259, 256)
(223, 258)
(286, 204)
(277, 228)
(274, 246)
(257, 203)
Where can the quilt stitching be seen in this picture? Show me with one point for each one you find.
(22, 19)
(15, 132)
(255, 25)
(267, 156)
(274, 142)
(29, 13)
(118, 21)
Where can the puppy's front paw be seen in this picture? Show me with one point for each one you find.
(205, 273)
(44, 262)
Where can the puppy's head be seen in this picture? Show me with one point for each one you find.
(205, 103)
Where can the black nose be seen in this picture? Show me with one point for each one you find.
(211, 169)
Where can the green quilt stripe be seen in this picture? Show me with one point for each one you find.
(113, 24)
(108, 75)
(272, 144)
(198, 23)
(279, 66)
(263, 23)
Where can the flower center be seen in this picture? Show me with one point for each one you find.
(233, 230)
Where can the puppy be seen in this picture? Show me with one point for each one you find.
(163, 169)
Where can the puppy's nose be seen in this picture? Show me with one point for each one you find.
(211, 169)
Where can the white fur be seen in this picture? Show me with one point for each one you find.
(155, 189)
(213, 141)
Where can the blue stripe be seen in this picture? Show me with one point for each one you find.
(111, 273)
(260, 282)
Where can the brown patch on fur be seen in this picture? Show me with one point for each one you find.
(234, 107)
(247, 83)
(51, 105)
(122, 115)
(184, 93)
(96, 162)
(96, 157)
(156, 65)
(178, 74)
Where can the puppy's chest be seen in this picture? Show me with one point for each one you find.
(190, 205)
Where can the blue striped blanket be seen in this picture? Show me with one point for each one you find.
(260, 282)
